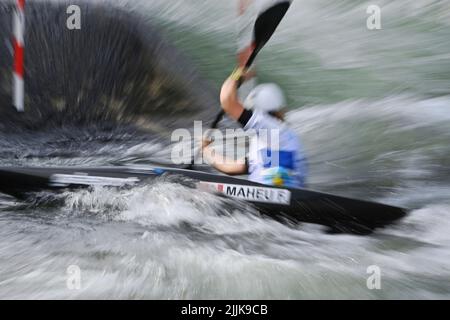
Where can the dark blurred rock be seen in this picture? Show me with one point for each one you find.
(117, 69)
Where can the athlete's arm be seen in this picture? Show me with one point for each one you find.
(222, 163)
(229, 98)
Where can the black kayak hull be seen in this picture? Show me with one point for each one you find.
(339, 214)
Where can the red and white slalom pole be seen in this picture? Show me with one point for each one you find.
(19, 45)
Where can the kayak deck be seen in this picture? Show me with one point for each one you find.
(339, 214)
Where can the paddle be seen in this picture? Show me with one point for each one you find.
(265, 26)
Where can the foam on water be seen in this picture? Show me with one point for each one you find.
(149, 244)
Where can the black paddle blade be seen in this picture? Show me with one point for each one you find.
(265, 26)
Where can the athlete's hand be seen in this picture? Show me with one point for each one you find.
(206, 141)
(250, 74)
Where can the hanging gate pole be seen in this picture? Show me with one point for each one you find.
(19, 45)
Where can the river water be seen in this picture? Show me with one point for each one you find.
(372, 108)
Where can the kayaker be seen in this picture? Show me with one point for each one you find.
(279, 163)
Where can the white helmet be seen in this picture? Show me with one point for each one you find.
(266, 97)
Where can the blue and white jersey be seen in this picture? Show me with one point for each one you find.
(276, 156)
